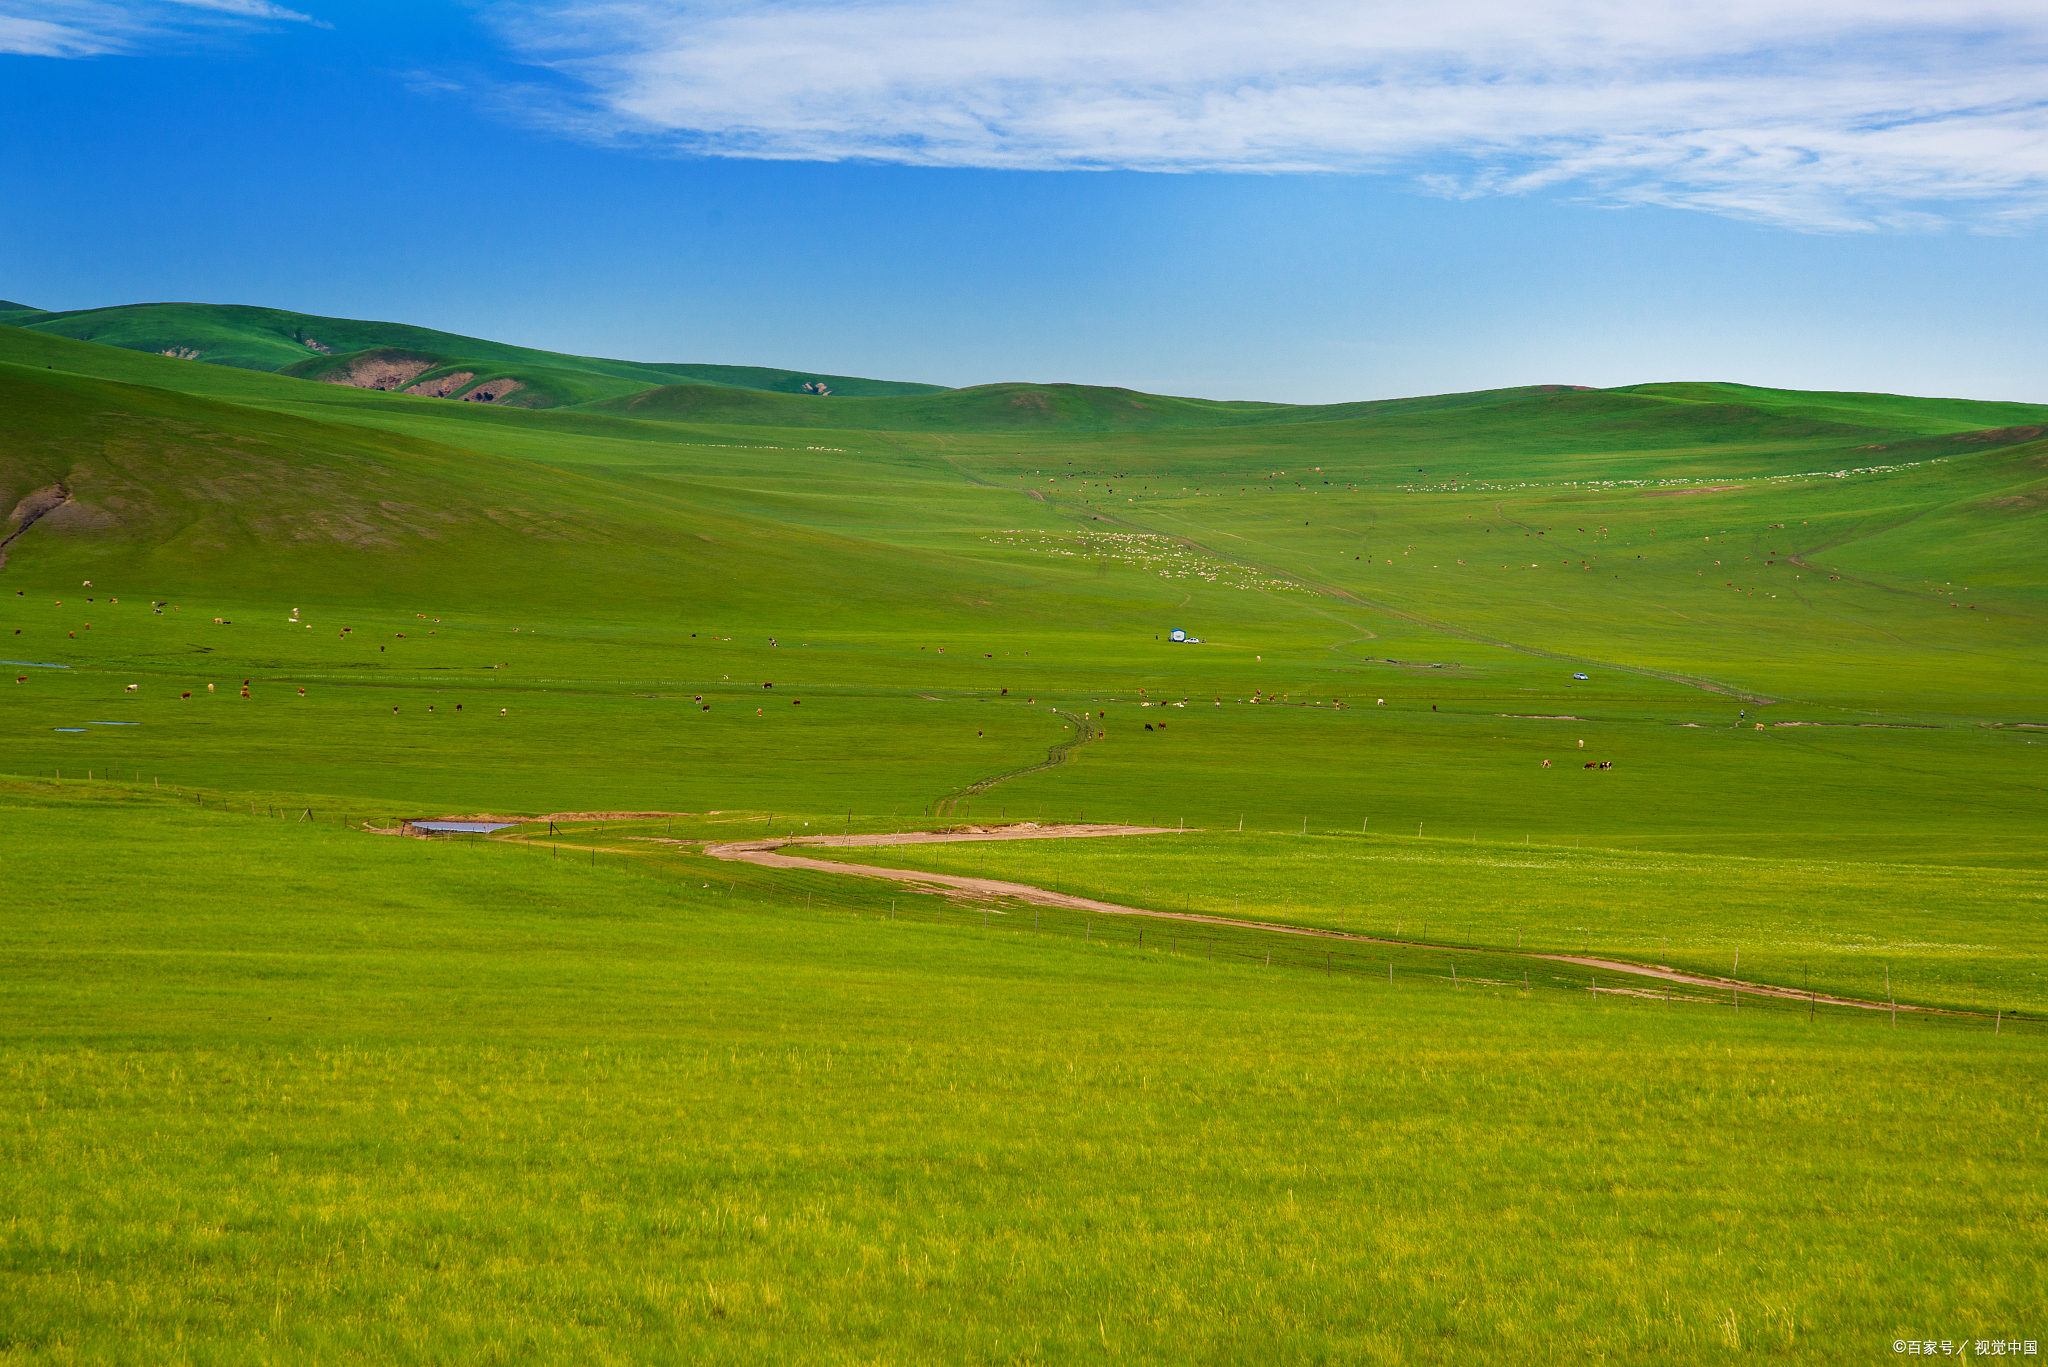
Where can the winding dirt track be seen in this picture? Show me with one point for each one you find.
(766, 853)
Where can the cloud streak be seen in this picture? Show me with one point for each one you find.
(1823, 115)
(98, 28)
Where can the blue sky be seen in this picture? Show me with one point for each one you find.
(1293, 201)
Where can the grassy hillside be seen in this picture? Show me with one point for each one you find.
(1752, 563)
(396, 369)
(274, 339)
(286, 1088)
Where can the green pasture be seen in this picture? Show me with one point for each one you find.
(1959, 938)
(1369, 652)
(282, 1090)
(278, 340)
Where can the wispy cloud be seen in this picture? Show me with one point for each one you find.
(1815, 114)
(95, 28)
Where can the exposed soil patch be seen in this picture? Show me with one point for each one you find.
(32, 510)
(444, 386)
(378, 372)
(492, 391)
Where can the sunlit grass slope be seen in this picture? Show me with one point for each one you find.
(277, 1090)
(276, 339)
(1804, 633)
(1054, 573)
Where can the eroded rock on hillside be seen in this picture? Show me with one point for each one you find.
(441, 386)
(379, 370)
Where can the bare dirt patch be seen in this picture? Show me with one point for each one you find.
(442, 387)
(31, 510)
(378, 372)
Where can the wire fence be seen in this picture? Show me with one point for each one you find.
(1333, 958)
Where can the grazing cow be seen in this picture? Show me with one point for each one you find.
(133, 687)
(209, 688)
(1148, 726)
(1590, 764)
(1546, 764)
(184, 695)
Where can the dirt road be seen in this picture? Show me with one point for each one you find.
(766, 853)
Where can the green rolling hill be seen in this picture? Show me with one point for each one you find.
(1539, 688)
(280, 340)
(1839, 558)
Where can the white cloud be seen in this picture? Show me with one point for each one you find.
(1821, 114)
(93, 28)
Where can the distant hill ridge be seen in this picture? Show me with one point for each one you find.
(278, 340)
(419, 362)
(189, 473)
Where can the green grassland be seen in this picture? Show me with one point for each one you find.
(1967, 938)
(278, 1091)
(596, 1111)
(265, 339)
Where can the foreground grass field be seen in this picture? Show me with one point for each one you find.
(281, 1092)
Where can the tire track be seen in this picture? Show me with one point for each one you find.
(1085, 733)
(766, 853)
